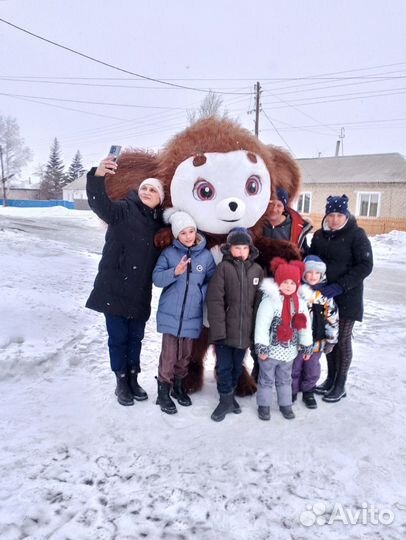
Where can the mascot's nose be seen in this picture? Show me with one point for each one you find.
(233, 206)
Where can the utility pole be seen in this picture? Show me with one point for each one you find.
(257, 106)
(341, 136)
(3, 178)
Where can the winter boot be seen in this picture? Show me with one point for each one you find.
(138, 393)
(337, 392)
(163, 399)
(309, 400)
(325, 386)
(123, 393)
(236, 405)
(264, 413)
(328, 384)
(179, 393)
(294, 397)
(287, 412)
(224, 407)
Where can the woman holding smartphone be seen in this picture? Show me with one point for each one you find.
(123, 285)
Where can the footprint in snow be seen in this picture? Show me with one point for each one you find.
(106, 465)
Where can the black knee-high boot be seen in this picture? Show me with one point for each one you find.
(327, 385)
(338, 391)
(343, 359)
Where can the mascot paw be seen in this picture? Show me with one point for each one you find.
(289, 251)
(193, 382)
(163, 238)
(246, 385)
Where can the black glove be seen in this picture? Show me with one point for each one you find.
(330, 290)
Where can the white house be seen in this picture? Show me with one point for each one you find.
(76, 192)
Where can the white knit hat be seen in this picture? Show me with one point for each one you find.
(157, 184)
(179, 220)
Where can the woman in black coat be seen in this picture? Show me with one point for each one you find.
(123, 286)
(347, 252)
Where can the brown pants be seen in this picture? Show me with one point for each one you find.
(175, 357)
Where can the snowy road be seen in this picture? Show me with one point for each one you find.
(77, 466)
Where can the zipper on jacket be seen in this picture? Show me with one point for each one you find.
(188, 270)
(242, 298)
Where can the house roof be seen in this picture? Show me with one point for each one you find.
(362, 169)
(78, 184)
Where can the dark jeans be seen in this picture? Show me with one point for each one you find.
(125, 340)
(305, 373)
(228, 367)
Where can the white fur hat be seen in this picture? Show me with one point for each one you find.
(178, 220)
(157, 184)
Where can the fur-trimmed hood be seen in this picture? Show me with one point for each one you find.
(270, 288)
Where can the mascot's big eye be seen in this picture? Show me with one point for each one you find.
(253, 185)
(203, 190)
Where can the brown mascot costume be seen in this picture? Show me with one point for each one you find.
(223, 176)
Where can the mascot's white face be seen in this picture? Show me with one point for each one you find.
(222, 190)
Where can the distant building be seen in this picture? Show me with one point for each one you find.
(76, 192)
(21, 193)
(375, 185)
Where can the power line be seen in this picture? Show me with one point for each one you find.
(318, 76)
(65, 108)
(37, 80)
(363, 96)
(315, 86)
(275, 128)
(92, 59)
(94, 102)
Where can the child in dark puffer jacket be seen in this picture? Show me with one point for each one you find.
(231, 299)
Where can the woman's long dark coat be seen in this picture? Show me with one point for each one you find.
(348, 256)
(123, 285)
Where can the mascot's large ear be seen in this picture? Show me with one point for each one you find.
(285, 172)
(133, 167)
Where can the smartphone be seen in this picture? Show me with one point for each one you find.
(114, 151)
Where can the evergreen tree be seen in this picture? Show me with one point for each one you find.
(54, 178)
(76, 169)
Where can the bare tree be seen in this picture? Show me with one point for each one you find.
(39, 172)
(210, 106)
(13, 154)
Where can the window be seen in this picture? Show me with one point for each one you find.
(304, 202)
(368, 204)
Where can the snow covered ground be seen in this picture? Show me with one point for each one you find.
(76, 465)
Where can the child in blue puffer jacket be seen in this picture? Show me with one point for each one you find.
(183, 270)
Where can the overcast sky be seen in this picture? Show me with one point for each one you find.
(323, 65)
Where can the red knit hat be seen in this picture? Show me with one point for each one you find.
(283, 270)
(293, 270)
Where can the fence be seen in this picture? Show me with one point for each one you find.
(37, 204)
